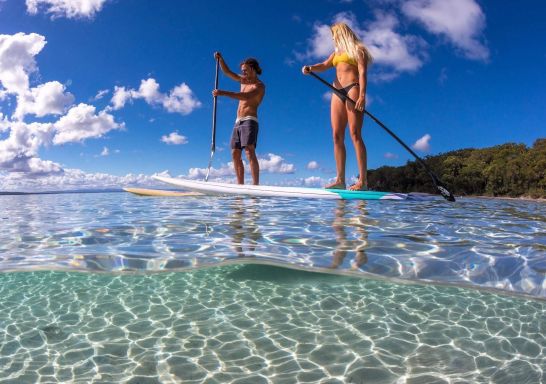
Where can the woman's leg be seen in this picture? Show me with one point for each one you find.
(338, 115)
(356, 120)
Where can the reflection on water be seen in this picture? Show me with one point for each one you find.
(243, 220)
(341, 225)
(485, 244)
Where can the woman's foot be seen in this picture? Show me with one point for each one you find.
(336, 185)
(358, 186)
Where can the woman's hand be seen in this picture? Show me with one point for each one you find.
(360, 103)
(306, 69)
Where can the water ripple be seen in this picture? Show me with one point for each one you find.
(477, 243)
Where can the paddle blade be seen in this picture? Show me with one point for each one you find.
(445, 193)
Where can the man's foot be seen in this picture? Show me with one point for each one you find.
(358, 186)
(336, 185)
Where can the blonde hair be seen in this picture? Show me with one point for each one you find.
(348, 41)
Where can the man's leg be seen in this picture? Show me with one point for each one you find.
(250, 151)
(238, 165)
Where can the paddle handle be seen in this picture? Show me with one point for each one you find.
(214, 102)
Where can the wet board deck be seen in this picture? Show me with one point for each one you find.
(276, 191)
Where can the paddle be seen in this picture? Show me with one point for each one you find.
(437, 183)
(213, 145)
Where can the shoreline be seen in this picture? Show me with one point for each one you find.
(522, 198)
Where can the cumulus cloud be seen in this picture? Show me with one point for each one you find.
(275, 164)
(81, 123)
(272, 163)
(105, 151)
(180, 99)
(312, 165)
(460, 21)
(21, 141)
(45, 99)
(390, 155)
(17, 54)
(314, 181)
(174, 138)
(19, 151)
(71, 9)
(70, 179)
(423, 144)
(402, 53)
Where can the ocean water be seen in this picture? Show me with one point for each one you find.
(115, 288)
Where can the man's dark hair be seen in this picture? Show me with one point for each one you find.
(253, 63)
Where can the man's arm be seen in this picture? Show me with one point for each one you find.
(225, 68)
(244, 96)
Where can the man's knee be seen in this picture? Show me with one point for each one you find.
(236, 154)
(250, 151)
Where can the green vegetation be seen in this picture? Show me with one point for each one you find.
(512, 170)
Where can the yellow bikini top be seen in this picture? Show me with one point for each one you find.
(343, 58)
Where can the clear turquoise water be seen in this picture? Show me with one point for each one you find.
(401, 292)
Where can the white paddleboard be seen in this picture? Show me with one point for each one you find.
(275, 191)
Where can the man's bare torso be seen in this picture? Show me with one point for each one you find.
(250, 107)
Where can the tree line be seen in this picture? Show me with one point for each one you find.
(512, 170)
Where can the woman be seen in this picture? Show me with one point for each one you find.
(351, 59)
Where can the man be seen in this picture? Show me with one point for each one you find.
(245, 131)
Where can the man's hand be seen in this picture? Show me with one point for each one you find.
(218, 56)
(217, 92)
(306, 69)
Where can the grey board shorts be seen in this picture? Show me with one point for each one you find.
(244, 133)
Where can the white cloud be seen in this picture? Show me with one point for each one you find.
(390, 155)
(270, 164)
(223, 171)
(180, 99)
(71, 9)
(20, 141)
(100, 94)
(45, 99)
(422, 144)
(120, 97)
(327, 96)
(391, 49)
(70, 179)
(17, 60)
(149, 91)
(320, 44)
(461, 21)
(81, 123)
(314, 181)
(312, 165)
(174, 138)
(19, 151)
(105, 151)
(275, 164)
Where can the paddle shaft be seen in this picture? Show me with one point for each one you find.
(437, 183)
(214, 102)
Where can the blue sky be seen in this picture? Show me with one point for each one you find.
(103, 93)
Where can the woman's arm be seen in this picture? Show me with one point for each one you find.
(320, 67)
(362, 64)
